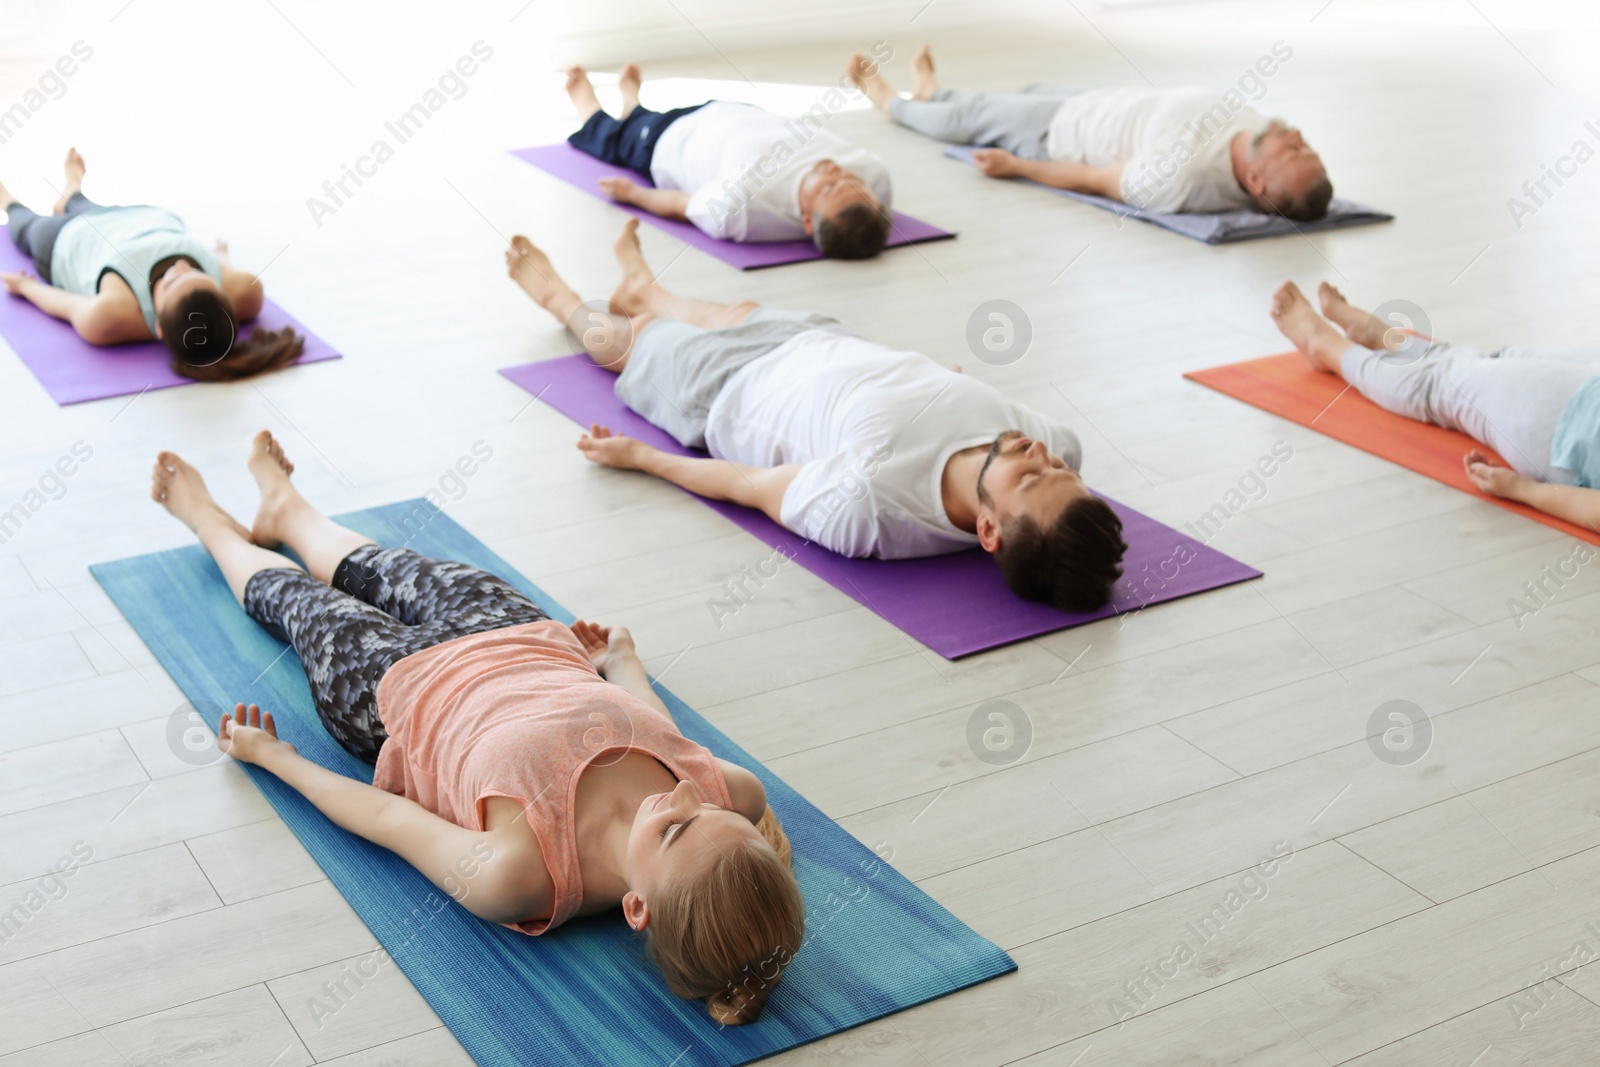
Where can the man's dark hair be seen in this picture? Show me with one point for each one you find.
(199, 330)
(1073, 564)
(860, 231)
(1310, 205)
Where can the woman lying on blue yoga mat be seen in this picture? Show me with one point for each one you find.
(120, 274)
(538, 775)
(1537, 407)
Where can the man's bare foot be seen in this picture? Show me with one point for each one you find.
(922, 66)
(1362, 327)
(531, 269)
(614, 450)
(74, 168)
(1313, 335)
(179, 488)
(581, 92)
(628, 81)
(633, 290)
(869, 79)
(271, 469)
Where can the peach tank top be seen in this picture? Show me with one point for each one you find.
(520, 712)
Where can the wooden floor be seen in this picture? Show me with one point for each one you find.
(1435, 912)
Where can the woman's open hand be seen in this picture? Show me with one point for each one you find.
(1490, 477)
(248, 734)
(603, 643)
(14, 280)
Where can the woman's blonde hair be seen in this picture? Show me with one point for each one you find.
(726, 936)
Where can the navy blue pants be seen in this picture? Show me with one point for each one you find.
(629, 142)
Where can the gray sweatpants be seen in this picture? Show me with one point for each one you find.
(1511, 399)
(1017, 122)
(676, 370)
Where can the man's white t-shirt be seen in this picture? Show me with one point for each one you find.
(1173, 144)
(743, 165)
(872, 429)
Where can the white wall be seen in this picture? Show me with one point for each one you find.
(614, 31)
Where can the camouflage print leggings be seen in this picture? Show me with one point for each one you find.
(383, 605)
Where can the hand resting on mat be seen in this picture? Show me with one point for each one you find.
(1576, 504)
(527, 768)
(1540, 409)
(127, 274)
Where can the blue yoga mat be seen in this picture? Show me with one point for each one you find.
(875, 943)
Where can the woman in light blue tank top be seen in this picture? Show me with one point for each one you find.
(1539, 408)
(124, 274)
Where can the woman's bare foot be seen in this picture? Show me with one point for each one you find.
(628, 81)
(179, 488)
(922, 66)
(1362, 327)
(531, 269)
(633, 290)
(74, 168)
(271, 469)
(581, 92)
(869, 79)
(1313, 335)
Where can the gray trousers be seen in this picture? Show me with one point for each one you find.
(675, 371)
(1511, 399)
(1016, 122)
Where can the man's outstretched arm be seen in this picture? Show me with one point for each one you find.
(668, 203)
(1058, 174)
(717, 479)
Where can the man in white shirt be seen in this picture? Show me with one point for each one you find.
(1164, 150)
(738, 172)
(862, 449)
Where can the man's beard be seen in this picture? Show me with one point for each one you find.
(994, 450)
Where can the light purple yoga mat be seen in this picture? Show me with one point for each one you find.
(72, 370)
(956, 604)
(1212, 227)
(583, 172)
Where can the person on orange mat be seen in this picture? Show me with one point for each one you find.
(1538, 408)
(125, 274)
(525, 767)
(1166, 150)
(865, 450)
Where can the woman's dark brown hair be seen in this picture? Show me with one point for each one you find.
(201, 336)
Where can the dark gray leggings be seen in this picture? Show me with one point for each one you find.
(35, 234)
(382, 605)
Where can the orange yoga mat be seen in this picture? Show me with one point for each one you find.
(1288, 387)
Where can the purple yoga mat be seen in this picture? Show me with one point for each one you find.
(956, 604)
(583, 172)
(72, 370)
